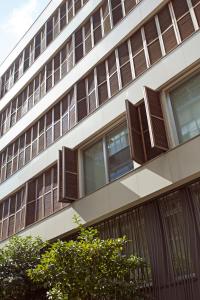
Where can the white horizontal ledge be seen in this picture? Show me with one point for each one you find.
(101, 50)
(77, 20)
(160, 175)
(157, 76)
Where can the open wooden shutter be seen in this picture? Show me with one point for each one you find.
(69, 175)
(148, 150)
(137, 150)
(155, 119)
(60, 179)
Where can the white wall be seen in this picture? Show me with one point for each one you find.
(169, 170)
(50, 50)
(156, 76)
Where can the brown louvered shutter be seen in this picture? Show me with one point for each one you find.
(183, 17)
(88, 37)
(70, 175)
(129, 4)
(139, 59)
(106, 17)
(135, 134)
(167, 29)
(197, 13)
(149, 152)
(153, 43)
(59, 172)
(155, 119)
(81, 99)
(31, 203)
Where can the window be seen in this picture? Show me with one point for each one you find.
(63, 16)
(117, 147)
(94, 168)
(152, 40)
(42, 200)
(124, 61)
(49, 31)
(97, 31)
(185, 101)
(78, 45)
(107, 159)
(37, 45)
(117, 13)
(12, 214)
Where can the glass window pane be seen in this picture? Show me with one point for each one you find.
(94, 168)
(186, 108)
(118, 152)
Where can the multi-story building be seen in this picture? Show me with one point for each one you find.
(100, 117)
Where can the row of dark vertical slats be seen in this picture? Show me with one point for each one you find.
(85, 106)
(165, 232)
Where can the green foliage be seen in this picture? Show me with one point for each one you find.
(19, 255)
(88, 268)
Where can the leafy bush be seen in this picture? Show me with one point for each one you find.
(19, 255)
(89, 268)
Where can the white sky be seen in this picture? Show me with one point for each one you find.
(16, 16)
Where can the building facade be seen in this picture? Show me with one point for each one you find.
(100, 117)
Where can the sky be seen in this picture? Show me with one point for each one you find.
(16, 16)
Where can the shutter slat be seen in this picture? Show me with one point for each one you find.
(70, 175)
(59, 170)
(134, 132)
(156, 124)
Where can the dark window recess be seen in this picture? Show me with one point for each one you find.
(26, 58)
(97, 31)
(153, 43)
(139, 59)
(68, 175)
(78, 45)
(180, 7)
(81, 99)
(117, 13)
(77, 5)
(129, 4)
(106, 17)
(88, 38)
(37, 45)
(124, 62)
(92, 103)
(102, 83)
(49, 31)
(49, 77)
(60, 175)
(70, 10)
(167, 29)
(184, 20)
(57, 68)
(63, 15)
(113, 76)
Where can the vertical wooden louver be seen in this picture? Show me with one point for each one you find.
(60, 179)
(146, 128)
(67, 175)
(155, 119)
(135, 134)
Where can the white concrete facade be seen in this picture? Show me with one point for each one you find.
(161, 174)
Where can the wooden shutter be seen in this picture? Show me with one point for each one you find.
(135, 134)
(30, 202)
(69, 175)
(155, 119)
(148, 150)
(59, 170)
